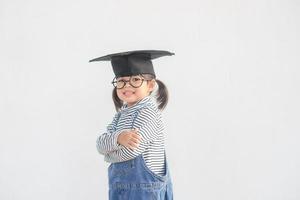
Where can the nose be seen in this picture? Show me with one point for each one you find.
(127, 83)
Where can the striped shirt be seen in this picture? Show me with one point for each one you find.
(146, 117)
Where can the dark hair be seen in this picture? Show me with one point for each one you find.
(162, 95)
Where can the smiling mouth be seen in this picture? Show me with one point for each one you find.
(128, 93)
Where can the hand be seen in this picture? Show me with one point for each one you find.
(129, 138)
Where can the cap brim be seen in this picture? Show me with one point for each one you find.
(151, 53)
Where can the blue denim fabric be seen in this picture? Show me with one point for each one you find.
(133, 180)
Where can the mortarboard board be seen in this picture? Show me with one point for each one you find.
(133, 62)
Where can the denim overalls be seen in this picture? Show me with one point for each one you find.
(133, 180)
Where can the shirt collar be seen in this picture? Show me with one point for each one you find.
(137, 105)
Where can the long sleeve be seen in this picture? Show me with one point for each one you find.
(107, 142)
(147, 121)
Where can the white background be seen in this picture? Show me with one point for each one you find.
(232, 123)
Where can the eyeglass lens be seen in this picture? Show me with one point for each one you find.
(134, 81)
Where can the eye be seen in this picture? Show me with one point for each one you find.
(136, 79)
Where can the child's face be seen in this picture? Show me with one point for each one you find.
(130, 94)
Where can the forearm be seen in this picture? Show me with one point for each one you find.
(107, 142)
(124, 153)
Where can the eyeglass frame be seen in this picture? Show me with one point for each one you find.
(114, 81)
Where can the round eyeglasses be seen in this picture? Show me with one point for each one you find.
(134, 81)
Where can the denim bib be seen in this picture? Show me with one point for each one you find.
(133, 180)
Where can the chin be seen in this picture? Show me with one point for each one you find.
(128, 100)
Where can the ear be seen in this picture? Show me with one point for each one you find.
(151, 85)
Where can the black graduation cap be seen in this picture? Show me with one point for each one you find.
(133, 62)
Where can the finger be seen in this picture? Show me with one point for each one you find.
(129, 146)
(133, 146)
(136, 141)
(137, 136)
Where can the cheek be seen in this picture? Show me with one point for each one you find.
(119, 92)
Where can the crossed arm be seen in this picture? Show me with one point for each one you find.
(107, 142)
(145, 122)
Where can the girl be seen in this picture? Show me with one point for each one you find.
(134, 140)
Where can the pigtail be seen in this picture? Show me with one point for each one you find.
(162, 95)
(117, 101)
